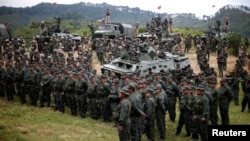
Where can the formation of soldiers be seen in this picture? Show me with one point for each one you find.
(61, 75)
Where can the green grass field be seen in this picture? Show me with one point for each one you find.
(27, 123)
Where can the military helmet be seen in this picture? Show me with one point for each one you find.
(158, 86)
(125, 91)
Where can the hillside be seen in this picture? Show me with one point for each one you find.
(81, 14)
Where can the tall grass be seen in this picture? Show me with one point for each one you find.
(27, 123)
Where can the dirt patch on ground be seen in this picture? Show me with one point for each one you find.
(212, 62)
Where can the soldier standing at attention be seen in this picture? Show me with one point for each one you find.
(91, 97)
(225, 96)
(171, 25)
(2, 70)
(246, 98)
(235, 88)
(19, 77)
(136, 112)
(70, 93)
(45, 88)
(214, 104)
(80, 90)
(92, 30)
(226, 28)
(149, 109)
(30, 82)
(136, 29)
(114, 95)
(103, 90)
(172, 92)
(123, 115)
(160, 111)
(185, 111)
(8, 81)
(200, 117)
(107, 17)
(220, 62)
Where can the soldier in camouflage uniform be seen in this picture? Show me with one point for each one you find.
(234, 85)
(19, 77)
(30, 82)
(53, 88)
(136, 112)
(2, 70)
(149, 110)
(246, 97)
(172, 92)
(225, 96)
(44, 94)
(8, 81)
(185, 111)
(114, 94)
(214, 105)
(103, 90)
(80, 90)
(92, 98)
(220, 61)
(59, 91)
(160, 111)
(200, 117)
(70, 93)
(122, 115)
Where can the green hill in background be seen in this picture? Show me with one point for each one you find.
(81, 14)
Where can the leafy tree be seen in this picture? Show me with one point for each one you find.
(233, 41)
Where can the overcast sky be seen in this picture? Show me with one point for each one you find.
(199, 7)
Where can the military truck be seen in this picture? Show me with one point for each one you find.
(148, 58)
(113, 30)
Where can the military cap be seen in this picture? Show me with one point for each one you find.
(150, 90)
(200, 87)
(103, 77)
(143, 82)
(132, 85)
(149, 79)
(187, 87)
(115, 80)
(169, 76)
(58, 71)
(125, 91)
(158, 86)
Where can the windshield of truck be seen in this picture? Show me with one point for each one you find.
(105, 27)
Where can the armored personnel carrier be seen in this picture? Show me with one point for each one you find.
(140, 62)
